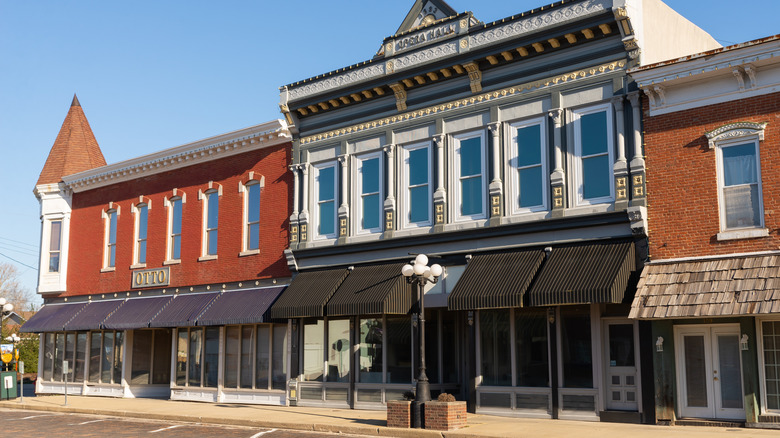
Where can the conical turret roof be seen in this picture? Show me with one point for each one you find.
(75, 149)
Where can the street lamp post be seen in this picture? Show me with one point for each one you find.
(418, 275)
(5, 309)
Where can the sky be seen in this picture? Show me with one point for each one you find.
(151, 75)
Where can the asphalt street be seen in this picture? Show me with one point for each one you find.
(20, 423)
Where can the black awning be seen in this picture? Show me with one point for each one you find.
(52, 317)
(371, 290)
(595, 272)
(93, 315)
(307, 294)
(496, 280)
(183, 310)
(137, 313)
(240, 307)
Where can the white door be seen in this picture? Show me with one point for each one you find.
(709, 372)
(622, 381)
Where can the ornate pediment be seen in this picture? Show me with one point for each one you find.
(736, 130)
(425, 12)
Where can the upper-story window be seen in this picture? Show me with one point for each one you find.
(109, 258)
(210, 222)
(593, 140)
(141, 220)
(252, 215)
(528, 176)
(325, 197)
(739, 184)
(369, 189)
(55, 240)
(174, 228)
(416, 180)
(470, 176)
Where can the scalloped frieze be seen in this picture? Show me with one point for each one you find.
(352, 77)
(426, 55)
(532, 24)
(736, 130)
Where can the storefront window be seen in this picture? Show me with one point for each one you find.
(338, 350)
(576, 348)
(531, 348)
(370, 350)
(495, 347)
(232, 335)
(151, 357)
(105, 361)
(161, 364)
(58, 347)
(48, 356)
(771, 333)
(211, 357)
(106, 356)
(247, 339)
(399, 350)
(95, 346)
(449, 347)
(263, 356)
(193, 353)
(59, 355)
(181, 357)
(313, 335)
(279, 357)
(432, 346)
(81, 355)
(142, 357)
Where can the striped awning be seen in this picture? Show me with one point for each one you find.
(137, 313)
(92, 317)
(595, 272)
(307, 294)
(52, 317)
(248, 306)
(183, 310)
(372, 289)
(496, 280)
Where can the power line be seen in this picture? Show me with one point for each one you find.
(17, 261)
(18, 250)
(18, 241)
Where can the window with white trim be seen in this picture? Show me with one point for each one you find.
(416, 185)
(252, 215)
(369, 189)
(770, 343)
(55, 241)
(210, 222)
(174, 228)
(593, 149)
(528, 175)
(141, 221)
(470, 176)
(109, 256)
(325, 210)
(739, 184)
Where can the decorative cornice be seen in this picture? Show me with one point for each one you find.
(470, 101)
(736, 130)
(536, 22)
(348, 78)
(225, 145)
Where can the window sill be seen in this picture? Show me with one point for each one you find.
(750, 233)
(206, 258)
(138, 266)
(171, 262)
(112, 269)
(249, 252)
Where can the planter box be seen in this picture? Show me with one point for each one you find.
(399, 414)
(445, 415)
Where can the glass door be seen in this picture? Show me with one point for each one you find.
(622, 381)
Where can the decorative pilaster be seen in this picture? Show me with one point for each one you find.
(496, 187)
(389, 205)
(294, 227)
(557, 177)
(440, 195)
(620, 167)
(637, 165)
(344, 207)
(303, 218)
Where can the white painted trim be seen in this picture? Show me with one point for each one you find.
(403, 185)
(357, 192)
(224, 145)
(577, 183)
(511, 168)
(314, 231)
(455, 200)
(734, 233)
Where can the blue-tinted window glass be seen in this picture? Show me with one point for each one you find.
(112, 228)
(112, 256)
(471, 196)
(418, 204)
(370, 212)
(253, 203)
(593, 131)
(176, 225)
(471, 156)
(595, 177)
(529, 150)
(531, 186)
(325, 182)
(254, 236)
(739, 164)
(327, 213)
(213, 213)
(418, 166)
(142, 251)
(370, 171)
(176, 247)
(212, 235)
(143, 213)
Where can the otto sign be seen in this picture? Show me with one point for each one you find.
(151, 277)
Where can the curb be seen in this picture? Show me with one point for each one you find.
(351, 429)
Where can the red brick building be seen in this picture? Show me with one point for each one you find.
(157, 272)
(712, 288)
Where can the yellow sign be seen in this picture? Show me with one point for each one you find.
(7, 357)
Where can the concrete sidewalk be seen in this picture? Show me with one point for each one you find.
(359, 422)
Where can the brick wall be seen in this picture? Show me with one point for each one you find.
(87, 225)
(682, 188)
(445, 415)
(399, 414)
